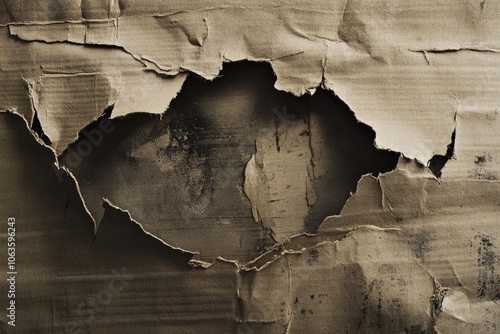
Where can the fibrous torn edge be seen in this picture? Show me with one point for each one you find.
(261, 263)
(194, 262)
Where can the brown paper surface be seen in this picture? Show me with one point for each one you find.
(262, 167)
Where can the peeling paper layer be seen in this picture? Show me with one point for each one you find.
(54, 97)
(396, 79)
(458, 257)
(240, 168)
(384, 263)
(69, 86)
(213, 211)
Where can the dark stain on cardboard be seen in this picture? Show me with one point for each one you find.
(313, 257)
(488, 263)
(482, 170)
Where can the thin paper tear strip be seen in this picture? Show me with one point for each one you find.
(277, 167)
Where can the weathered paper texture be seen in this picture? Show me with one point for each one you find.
(263, 167)
(350, 47)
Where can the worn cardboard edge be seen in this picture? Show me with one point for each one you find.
(105, 201)
(193, 262)
(248, 265)
(323, 82)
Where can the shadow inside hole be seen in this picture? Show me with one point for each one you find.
(36, 127)
(181, 176)
(437, 162)
(345, 151)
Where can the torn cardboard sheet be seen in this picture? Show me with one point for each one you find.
(54, 97)
(399, 80)
(354, 285)
(452, 229)
(448, 230)
(210, 177)
(70, 279)
(158, 285)
(411, 269)
(69, 86)
(244, 161)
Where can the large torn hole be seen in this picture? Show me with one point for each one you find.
(227, 153)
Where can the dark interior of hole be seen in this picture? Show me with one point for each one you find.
(36, 127)
(132, 243)
(212, 128)
(437, 162)
(348, 153)
(92, 126)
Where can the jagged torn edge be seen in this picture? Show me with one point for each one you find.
(29, 85)
(293, 244)
(151, 65)
(159, 69)
(163, 71)
(194, 262)
(108, 202)
(56, 161)
(73, 178)
(435, 300)
(323, 84)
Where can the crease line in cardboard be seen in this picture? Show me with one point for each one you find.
(280, 250)
(137, 58)
(458, 49)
